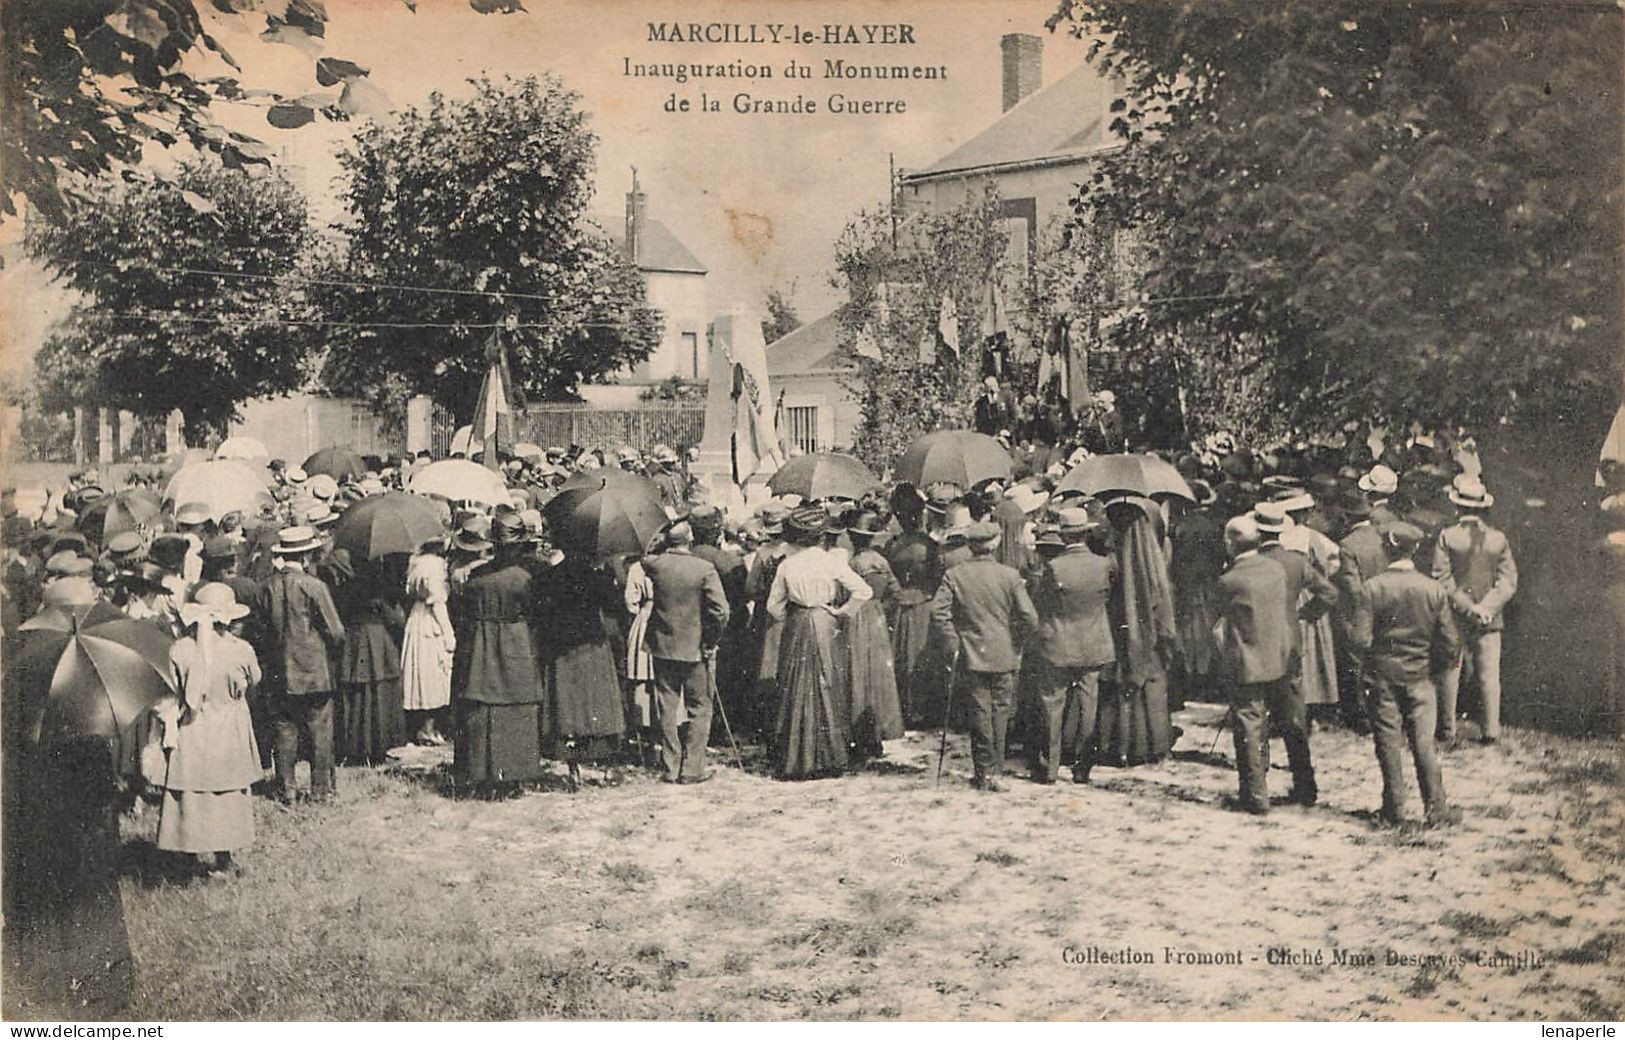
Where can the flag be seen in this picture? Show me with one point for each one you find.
(493, 414)
(754, 443)
(995, 321)
(865, 345)
(948, 324)
(1075, 368)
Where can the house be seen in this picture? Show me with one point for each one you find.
(674, 280)
(1036, 154)
(805, 369)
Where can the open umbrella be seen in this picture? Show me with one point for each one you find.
(460, 481)
(115, 514)
(604, 518)
(823, 474)
(241, 448)
(956, 456)
(222, 485)
(396, 522)
(614, 476)
(337, 463)
(89, 671)
(1130, 474)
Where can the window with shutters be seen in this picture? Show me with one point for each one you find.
(803, 426)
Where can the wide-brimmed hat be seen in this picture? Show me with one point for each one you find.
(300, 538)
(772, 516)
(67, 563)
(124, 544)
(1379, 480)
(983, 532)
(807, 521)
(1470, 493)
(1048, 536)
(470, 539)
(864, 526)
(663, 453)
(219, 548)
(213, 600)
(1354, 505)
(1270, 518)
(1027, 498)
(1295, 502)
(508, 529)
(295, 475)
(191, 514)
(169, 550)
(320, 515)
(1203, 491)
(1074, 522)
(956, 522)
(939, 496)
(1403, 536)
(323, 486)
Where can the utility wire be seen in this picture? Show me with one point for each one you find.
(313, 280)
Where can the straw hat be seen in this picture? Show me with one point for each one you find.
(300, 538)
(1470, 493)
(1380, 480)
(213, 600)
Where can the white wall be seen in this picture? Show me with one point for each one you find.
(681, 301)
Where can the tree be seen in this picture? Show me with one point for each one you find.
(476, 210)
(189, 295)
(896, 294)
(1399, 212)
(86, 85)
(782, 318)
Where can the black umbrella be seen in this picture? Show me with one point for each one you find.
(337, 463)
(604, 518)
(89, 671)
(397, 522)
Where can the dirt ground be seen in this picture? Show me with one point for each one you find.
(884, 895)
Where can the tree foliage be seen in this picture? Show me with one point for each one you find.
(1391, 211)
(86, 85)
(484, 200)
(782, 318)
(185, 299)
(937, 255)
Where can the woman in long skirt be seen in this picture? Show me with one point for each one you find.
(1134, 722)
(916, 562)
(370, 718)
(428, 643)
(876, 712)
(812, 590)
(582, 717)
(213, 760)
(496, 683)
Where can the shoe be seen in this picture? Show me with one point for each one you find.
(1040, 778)
(1306, 797)
(1234, 804)
(1080, 776)
(990, 784)
(695, 779)
(1447, 816)
(1390, 821)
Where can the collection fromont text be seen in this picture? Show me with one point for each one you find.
(828, 34)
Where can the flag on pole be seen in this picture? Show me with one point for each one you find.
(948, 324)
(493, 414)
(754, 443)
(995, 321)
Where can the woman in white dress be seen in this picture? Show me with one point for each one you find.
(428, 642)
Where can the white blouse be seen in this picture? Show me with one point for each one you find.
(813, 577)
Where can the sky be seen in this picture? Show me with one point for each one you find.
(760, 199)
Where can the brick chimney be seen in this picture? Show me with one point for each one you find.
(636, 205)
(1023, 66)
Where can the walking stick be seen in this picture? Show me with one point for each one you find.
(716, 694)
(1229, 712)
(947, 714)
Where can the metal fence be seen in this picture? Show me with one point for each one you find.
(679, 426)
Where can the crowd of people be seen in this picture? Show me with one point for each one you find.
(1303, 585)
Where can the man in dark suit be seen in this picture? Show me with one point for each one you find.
(1255, 643)
(689, 615)
(983, 609)
(1406, 627)
(1290, 715)
(706, 521)
(300, 631)
(1361, 557)
(994, 410)
(1070, 592)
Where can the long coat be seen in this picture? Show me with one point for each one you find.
(495, 662)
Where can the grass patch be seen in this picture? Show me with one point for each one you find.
(1598, 949)
(633, 875)
(1477, 926)
(998, 857)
